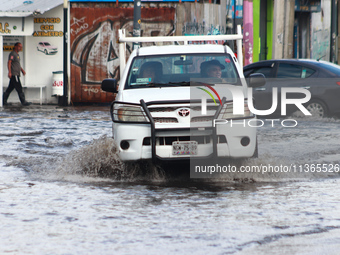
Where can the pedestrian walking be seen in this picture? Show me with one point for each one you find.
(14, 69)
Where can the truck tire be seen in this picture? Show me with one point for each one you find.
(256, 152)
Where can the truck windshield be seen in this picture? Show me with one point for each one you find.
(179, 70)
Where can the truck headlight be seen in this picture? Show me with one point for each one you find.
(227, 112)
(129, 114)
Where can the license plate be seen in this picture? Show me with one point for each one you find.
(184, 148)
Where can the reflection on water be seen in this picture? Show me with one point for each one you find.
(63, 190)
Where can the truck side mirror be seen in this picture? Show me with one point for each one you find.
(110, 85)
(256, 80)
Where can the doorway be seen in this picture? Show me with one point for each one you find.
(302, 35)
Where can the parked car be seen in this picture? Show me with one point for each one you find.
(47, 48)
(321, 78)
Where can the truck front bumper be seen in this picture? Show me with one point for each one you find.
(134, 141)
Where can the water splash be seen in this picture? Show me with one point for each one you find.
(99, 158)
(96, 161)
(99, 161)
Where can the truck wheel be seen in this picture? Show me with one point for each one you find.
(256, 152)
(317, 108)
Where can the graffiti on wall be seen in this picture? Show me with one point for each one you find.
(94, 46)
(320, 45)
(99, 48)
(93, 51)
(195, 28)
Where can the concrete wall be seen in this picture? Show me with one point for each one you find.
(321, 31)
(200, 19)
(283, 29)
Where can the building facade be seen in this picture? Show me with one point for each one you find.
(41, 34)
(94, 34)
(295, 29)
(271, 29)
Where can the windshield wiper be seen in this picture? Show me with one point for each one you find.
(162, 84)
(155, 84)
(180, 83)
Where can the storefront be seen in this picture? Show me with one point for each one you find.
(39, 27)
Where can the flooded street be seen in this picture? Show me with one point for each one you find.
(63, 190)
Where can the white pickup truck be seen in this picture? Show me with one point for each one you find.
(167, 106)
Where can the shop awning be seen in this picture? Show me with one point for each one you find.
(24, 8)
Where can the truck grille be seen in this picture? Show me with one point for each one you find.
(171, 114)
(163, 109)
(168, 140)
(202, 119)
(165, 120)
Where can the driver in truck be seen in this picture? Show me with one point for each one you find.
(152, 70)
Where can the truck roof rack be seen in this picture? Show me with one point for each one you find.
(185, 39)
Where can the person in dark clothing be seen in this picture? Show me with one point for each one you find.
(14, 69)
(212, 68)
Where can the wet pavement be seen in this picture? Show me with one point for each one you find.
(55, 197)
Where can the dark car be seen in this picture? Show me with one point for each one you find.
(321, 78)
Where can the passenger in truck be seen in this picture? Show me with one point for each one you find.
(212, 69)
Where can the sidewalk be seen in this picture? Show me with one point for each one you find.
(55, 111)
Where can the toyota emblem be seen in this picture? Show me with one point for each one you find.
(184, 112)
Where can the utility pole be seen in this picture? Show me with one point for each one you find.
(65, 76)
(136, 22)
(334, 22)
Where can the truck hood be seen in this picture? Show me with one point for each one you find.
(178, 93)
(154, 94)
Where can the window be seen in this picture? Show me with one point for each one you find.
(180, 69)
(266, 71)
(306, 72)
(289, 71)
(293, 71)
